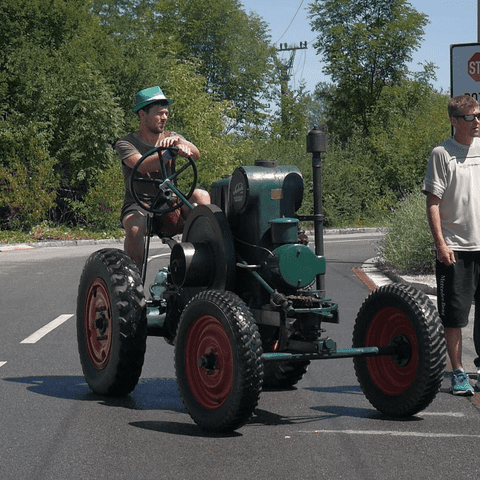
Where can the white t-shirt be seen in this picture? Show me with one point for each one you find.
(453, 175)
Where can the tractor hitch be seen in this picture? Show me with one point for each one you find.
(325, 354)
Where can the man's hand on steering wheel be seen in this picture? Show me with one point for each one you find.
(175, 141)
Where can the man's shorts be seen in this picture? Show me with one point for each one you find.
(166, 225)
(457, 288)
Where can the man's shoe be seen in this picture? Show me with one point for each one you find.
(477, 385)
(461, 384)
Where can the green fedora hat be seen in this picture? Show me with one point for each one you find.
(150, 95)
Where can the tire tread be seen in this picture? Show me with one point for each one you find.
(247, 343)
(430, 371)
(128, 302)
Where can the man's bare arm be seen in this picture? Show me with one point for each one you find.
(444, 253)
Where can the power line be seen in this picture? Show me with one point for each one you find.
(303, 66)
(297, 69)
(298, 9)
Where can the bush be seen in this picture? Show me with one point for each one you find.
(408, 243)
(27, 179)
(102, 203)
(352, 193)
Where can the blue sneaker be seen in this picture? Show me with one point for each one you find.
(461, 384)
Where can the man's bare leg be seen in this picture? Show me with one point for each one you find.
(135, 225)
(453, 338)
(199, 197)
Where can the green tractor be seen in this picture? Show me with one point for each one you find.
(243, 302)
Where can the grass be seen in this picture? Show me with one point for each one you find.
(408, 244)
(47, 231)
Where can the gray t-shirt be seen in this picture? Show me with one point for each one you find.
(453, 175)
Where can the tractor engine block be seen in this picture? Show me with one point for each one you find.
(260, 203)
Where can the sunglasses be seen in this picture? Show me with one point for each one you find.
(469, 118)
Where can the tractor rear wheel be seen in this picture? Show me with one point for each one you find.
(401, 316)
(111, 322)
(218, 361)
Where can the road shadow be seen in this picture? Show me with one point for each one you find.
(149, 394)
(344, 389)
(162, 394)
(327, 412)
(177, 428)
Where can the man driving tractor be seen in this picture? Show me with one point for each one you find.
(152, 108)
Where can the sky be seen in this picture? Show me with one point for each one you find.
(451, 22)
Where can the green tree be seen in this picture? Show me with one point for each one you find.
(27, 179)
(294, 116)
(52, 82)
(410, 119)
(366, 45)
(365, 177)
(233, 47)
(229, 47)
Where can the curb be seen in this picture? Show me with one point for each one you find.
(425, 283)
(5, 247)
(345, 231)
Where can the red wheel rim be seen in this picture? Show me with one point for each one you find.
(98, 324)
(387, 375)
(209, 362)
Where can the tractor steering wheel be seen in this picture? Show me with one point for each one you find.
(165, 185)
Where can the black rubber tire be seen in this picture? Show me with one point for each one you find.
(218, 361)
(400, 387)
(284, 374)
(111, 322)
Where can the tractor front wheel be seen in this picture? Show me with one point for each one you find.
(218, 361)
(400, 316)
(111, 323)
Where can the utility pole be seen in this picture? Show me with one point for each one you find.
(287, 71)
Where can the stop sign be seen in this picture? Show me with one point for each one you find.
(474, 66)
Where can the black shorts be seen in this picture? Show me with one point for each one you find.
(457, 288)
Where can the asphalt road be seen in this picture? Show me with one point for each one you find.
(54, 427)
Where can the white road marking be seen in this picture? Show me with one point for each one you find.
(158, 256)
(35, 337)
(2, 364)
(391, 433)
(441, 414)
